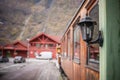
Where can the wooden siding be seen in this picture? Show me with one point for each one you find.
(77, 71)
(22, 53)
(42, 39)
(9, 53)
(91, 74)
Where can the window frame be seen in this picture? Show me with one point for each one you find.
(76, 30)
(90, 63)
(63, 47)
(37, 45)
(68, 44)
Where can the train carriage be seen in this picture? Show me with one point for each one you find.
(80, 61)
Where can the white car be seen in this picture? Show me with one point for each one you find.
(44, 55)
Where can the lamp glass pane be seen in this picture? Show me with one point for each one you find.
(84, 31)
(76, 40)
(90, 28)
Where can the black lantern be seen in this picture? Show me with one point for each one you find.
(87, 28)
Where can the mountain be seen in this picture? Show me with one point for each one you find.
(22, 19)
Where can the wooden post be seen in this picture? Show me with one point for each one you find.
(109, 17)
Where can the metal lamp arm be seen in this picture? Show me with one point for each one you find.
(98, 40)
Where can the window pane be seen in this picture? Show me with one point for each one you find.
(46, 45)
(76, 43)
(50, 45)
(63, 47)
(94, 48)
(68, 44)
(94, 54)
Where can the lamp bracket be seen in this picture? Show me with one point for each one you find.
(98, 40)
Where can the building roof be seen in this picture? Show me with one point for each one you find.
(9, 46)
(20, 42)
(12, 46)
(54, 38)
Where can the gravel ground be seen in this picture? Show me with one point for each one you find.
(31, 70)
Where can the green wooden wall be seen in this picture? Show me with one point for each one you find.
(109, 18)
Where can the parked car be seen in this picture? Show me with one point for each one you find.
(19, 59)
(4, 59)
(44, 55)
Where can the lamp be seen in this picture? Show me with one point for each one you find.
(87, 29)
(58, 49)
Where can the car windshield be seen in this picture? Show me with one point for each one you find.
(17, 57)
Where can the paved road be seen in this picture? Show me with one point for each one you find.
(36, 70)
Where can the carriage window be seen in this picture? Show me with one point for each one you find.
(68, 44)
(63, 47)
(93, 54)
(76, 44)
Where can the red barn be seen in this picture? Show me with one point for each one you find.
(41, 43)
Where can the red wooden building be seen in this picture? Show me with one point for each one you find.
(78, 60)
(41, 43)
(18, 48)
(37, 44)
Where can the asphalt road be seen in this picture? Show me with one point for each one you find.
(36, 70)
